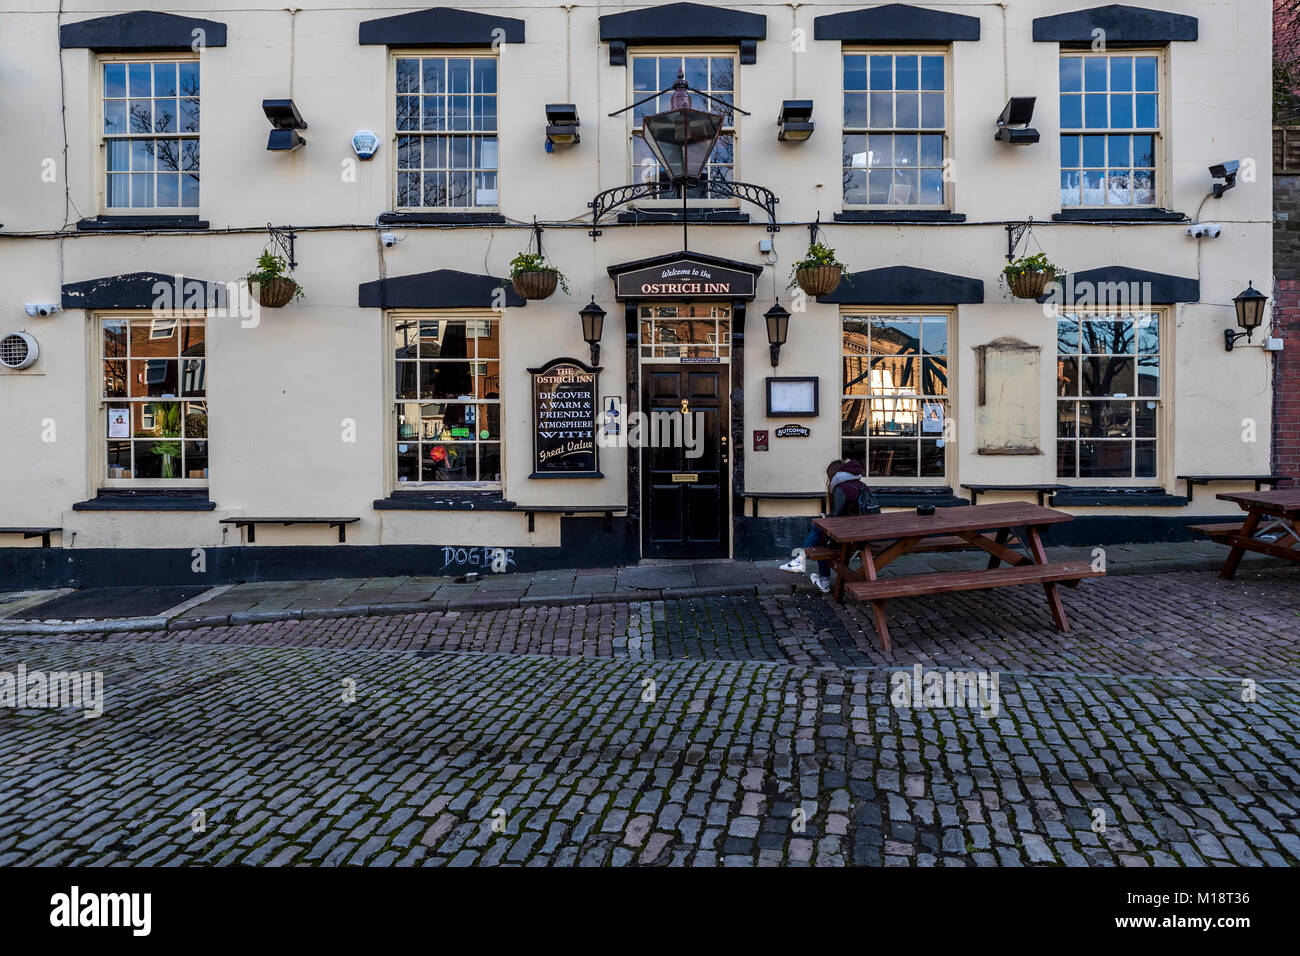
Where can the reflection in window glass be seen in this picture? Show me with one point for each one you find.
(447, 400)
(895, 394)
(154, 398)
(150, 133)
(1110, 126)
(446, 124)
(894, 126)
(714, 75)
(1108, 388)
(685, 331)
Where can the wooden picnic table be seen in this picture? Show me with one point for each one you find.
(1282, 506)
(879, 539)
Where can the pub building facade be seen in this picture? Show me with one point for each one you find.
(412, 413)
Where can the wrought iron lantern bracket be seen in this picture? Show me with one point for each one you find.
(611, 199)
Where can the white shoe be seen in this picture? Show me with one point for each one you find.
(797, 564)
(822, 584)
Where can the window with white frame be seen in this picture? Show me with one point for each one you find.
(894, 398)
(1110, 129)
(1108, 395)
(447, 400)
(150, 115)
(153, 398)
(895, 124)
(713, 74)
(446, 121)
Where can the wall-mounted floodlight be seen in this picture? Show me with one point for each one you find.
(796, 121)
(1013, 124)
(285, 123)
(1228, 173)
(561, 125)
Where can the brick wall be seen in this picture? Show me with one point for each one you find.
(1286, 376)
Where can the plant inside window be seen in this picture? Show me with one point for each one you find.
(1028, 276)
(818, 272)
(535, 278)
(167, 423)
(272, 283)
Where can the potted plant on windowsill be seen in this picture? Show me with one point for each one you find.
(818, 272)
(271, 281)
(1028, 276)
(535, 278)
(167, 422)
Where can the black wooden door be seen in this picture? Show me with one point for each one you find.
(684, 461)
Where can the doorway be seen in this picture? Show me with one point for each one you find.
(685, 486)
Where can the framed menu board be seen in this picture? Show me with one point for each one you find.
(564, 420)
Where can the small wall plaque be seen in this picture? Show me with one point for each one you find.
(760, 441)
(793, 431)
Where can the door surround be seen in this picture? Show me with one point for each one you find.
(667, 278)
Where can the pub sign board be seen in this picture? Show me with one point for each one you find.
(564, 420)
(684, 278)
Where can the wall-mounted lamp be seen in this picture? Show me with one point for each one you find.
(1013, 123)
(1250, 313)
(778, 326)
(1228, 173)
(285, 123)
(796, 121)
(593, 325)
(561, 125)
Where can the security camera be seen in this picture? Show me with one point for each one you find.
(41, 308)
(389, 239)
(1228, 173)
(1205, 230)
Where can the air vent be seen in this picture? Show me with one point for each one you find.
(18, 351)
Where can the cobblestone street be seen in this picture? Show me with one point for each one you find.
(739, 730)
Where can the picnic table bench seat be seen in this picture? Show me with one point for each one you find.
(1217, 530)
(914, 585)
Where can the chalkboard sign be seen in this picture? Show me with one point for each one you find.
(564, 419)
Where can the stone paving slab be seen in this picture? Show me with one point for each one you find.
(362, 596)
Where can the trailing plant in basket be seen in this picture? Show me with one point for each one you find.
(819, 254)
(270, 267)
(1037, 270)
(534, 262)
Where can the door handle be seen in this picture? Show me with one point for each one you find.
(686, 407)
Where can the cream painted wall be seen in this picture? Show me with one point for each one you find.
(279, 392)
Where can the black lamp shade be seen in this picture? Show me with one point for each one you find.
(593, 322)
(1250, 308)
(778, 324)
(682, 140)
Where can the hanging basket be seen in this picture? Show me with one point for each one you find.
(818, 280)
(1030, 284)
(536, 285)
(276, 293)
